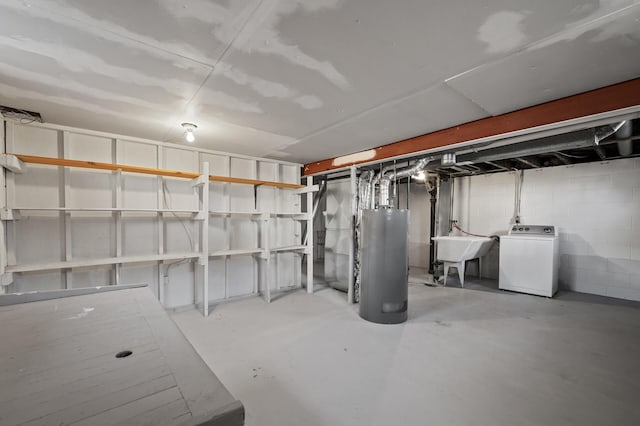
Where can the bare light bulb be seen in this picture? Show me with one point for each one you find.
(419, 176)
(189, 136)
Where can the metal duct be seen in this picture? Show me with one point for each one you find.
(604, 132)
(364, 195)
(386, 178)
(625, 147)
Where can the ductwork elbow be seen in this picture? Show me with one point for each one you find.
(387, 177)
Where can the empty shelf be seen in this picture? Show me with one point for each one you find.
(235, 252)
(103, 209)
(289, 248)
(77, 263)
(234, 213)
(294, 216)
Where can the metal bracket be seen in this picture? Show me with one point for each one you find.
(12, 163)
(306, 189)
(200, 180)
(6, 279)
(9, 214)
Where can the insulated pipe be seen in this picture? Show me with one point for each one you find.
(625, 147)
(376, 181)
(386, 178)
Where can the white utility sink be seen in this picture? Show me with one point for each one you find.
(455, 251)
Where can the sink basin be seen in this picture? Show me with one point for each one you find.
(455, 251)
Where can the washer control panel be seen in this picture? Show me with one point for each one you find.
(520, 229)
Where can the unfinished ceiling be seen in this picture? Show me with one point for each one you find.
(305, 80)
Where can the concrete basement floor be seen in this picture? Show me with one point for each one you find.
(465, 357)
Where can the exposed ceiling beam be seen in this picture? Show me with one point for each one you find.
(562, 159)
(610, 98)
(600, 151)
(529, 162)
(496, 165)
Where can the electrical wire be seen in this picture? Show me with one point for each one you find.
(493, 237)
(570, 155)
(165, 191)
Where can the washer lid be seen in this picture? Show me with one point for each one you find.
(532, 230)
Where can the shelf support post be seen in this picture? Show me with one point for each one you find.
(309, 235)
(352, 246)
(204, 238)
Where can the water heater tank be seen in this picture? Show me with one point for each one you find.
(384, 265)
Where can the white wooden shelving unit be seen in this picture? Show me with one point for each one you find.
(225, 221)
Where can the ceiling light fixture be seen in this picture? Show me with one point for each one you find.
(188, 131)
(420, 176)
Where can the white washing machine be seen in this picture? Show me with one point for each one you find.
(529, 260)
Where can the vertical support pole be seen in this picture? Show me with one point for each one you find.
(273, 223)
(309, 235)
(204, 236)
(257, 207)
(266, 226)
(160, 205)
(197, 194)
(352, 234)
(117, 215)
(10, 199)
(3, 204)
(65, 202)
(227, 229)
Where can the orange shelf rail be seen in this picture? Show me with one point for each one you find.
(148, 171)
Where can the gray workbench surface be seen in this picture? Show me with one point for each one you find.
(58, 365)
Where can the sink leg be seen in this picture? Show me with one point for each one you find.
(460, 267)
(446, 273)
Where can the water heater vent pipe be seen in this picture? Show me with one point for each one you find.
(387, 176)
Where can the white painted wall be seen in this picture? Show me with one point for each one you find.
(596, 207)
(39, 236)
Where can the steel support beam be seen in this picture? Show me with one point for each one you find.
(606, 99)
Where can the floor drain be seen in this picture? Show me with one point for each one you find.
(123, 354)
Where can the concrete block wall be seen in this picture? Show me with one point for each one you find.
(596, 207)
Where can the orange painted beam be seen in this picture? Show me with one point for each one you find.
(148, 171)
(617, 96)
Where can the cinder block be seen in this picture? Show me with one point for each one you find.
(630, 178)
(586, 262)
(634, 281)
(627, 266)
(624, 293)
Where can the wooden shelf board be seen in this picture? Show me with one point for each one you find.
(63, 162)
